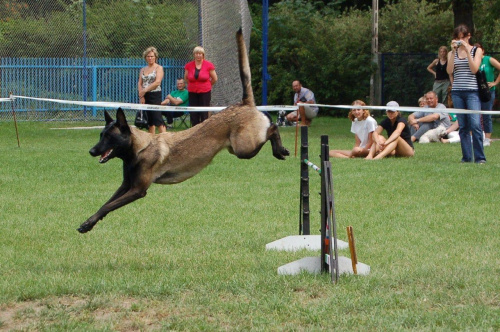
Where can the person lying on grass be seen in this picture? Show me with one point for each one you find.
(398, 143)
(363, 126)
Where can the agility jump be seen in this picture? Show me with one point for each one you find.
(327, 243)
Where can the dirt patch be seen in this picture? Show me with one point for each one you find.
(117, 314)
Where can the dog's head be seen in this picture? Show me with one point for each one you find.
(115, 138)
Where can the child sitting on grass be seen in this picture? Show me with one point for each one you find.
(363, 126)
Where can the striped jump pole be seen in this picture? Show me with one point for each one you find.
(304, 212)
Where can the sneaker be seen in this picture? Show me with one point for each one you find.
(486, 142)
(481, 162)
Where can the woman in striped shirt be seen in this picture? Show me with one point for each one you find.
(463, 62)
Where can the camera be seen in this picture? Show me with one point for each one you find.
(281, 121)
(303, 99)
(458, 43)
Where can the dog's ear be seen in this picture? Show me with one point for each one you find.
(108, 118)
(121, 121)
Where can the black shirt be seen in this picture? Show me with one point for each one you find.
(405, 134)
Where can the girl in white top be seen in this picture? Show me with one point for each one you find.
(363, 126)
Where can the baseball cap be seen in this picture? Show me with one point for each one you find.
(391, 104)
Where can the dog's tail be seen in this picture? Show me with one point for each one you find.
(246, 78)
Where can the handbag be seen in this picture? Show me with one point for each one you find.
(482, 84)
(141, 120)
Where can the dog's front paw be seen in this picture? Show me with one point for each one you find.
(86, 226)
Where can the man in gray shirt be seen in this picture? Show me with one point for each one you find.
(421, 122)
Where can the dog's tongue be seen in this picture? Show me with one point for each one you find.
(104, 156)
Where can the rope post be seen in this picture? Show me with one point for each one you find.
(15, 120)
(304, 220)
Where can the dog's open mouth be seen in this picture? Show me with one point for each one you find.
(105, 156)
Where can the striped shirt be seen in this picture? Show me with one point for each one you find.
(463, 78)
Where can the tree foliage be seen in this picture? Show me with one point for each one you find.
(313, 45)
(120, 28)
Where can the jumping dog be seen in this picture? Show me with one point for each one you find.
(173, 157)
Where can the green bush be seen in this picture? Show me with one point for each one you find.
(328, 52)
(421, 27)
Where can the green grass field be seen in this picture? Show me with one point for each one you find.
(192, 256)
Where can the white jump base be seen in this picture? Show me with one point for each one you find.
(301, 242)
(312, 264)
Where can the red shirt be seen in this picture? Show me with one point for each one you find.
(203, 83)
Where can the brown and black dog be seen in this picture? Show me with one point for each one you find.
(173, 157)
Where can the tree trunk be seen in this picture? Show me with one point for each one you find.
(462, 12)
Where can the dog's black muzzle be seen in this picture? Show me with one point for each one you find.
(93, 152)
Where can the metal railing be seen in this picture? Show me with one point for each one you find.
(105, 79)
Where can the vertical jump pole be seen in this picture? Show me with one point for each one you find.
(304, 222)
(329, 249)
(324, 212)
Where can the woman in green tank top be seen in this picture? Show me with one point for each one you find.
(488, 65)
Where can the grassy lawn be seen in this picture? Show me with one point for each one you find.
(192, 256)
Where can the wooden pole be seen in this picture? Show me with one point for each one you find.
(15, 120)
(296, 135)
(352, 248)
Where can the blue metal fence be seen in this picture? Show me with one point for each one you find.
(107, 79)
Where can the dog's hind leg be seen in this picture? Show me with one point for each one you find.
(279, 151)
(245, 144)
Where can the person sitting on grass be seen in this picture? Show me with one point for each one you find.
(398, 143)
(305, 113)
(363, 126)
(422, 102)
(422, 122)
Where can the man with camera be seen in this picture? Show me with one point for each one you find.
(305, 113)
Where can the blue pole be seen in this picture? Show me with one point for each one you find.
(85, 78)
(94, 89)
(265, 74)
(200, 24)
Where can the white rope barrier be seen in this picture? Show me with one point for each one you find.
(147, 107)
(406, 109)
